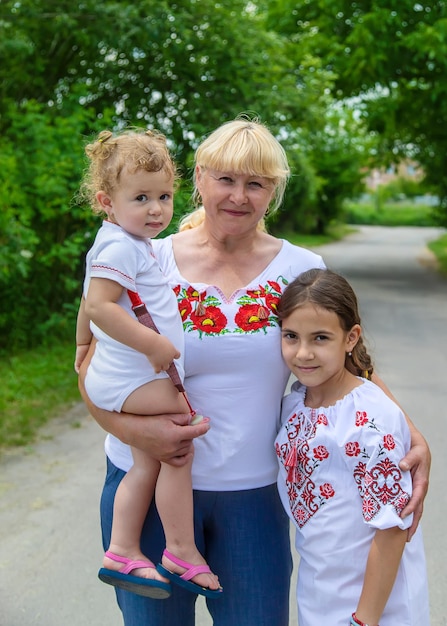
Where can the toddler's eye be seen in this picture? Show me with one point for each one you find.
(142, 197)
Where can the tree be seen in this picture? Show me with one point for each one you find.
(390, 59)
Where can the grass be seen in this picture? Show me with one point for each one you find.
(37, 385)
(439, 249)
(390, 214)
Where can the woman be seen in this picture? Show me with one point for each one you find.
(228, 274)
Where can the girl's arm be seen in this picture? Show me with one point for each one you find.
(381, 570)
(101, 306)
(418, 461)
(167, 438)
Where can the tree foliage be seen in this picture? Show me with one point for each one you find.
(389, 57)
(70, 69)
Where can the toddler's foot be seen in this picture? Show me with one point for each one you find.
(186, 561)
(119, 562)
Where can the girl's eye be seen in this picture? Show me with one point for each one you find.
(142, 197)
(165, 196)
(289, 336)
(320, 337)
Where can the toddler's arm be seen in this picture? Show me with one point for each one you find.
(102, 308)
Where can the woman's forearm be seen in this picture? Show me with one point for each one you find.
(167, 438)
(417, 461)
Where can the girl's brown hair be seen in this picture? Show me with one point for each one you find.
(133, 150)
(332, 292)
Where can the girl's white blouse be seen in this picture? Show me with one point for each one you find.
(339, 482)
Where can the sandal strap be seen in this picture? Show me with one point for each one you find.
(129, 564)
(191, 570)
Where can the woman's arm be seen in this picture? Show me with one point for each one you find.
(167, 438)
(417, 461)
(381, 570)
(83, 335)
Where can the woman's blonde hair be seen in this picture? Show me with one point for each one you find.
(242, 146)
(132, 150)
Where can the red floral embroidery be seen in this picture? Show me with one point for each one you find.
(185, 308)
(193, 295)
(321, 452)
(361, 418)
(322, 419)
(274, 285)
(256, 293)
(257, 309)
(380, 486)
(327, 491)
(212, 322)
(388, 442)
(272, 302)
(248, 318)
(352, 448)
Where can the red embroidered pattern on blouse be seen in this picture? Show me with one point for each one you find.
(257, 310)
(378, 482)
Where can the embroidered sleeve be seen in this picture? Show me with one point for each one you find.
(374, 447)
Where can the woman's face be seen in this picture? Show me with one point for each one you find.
(236, 202)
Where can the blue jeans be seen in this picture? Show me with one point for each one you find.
(243, 535)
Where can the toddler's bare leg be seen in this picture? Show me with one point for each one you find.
(136, 490)
(173, 496)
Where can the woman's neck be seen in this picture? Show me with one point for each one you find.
(227, 261)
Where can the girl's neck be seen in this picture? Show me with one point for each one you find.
(333, 390)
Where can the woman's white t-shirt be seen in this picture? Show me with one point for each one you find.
(235, 373)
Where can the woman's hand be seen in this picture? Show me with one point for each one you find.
(167, 438)
(418, 462)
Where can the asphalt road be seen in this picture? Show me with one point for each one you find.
(50, 546)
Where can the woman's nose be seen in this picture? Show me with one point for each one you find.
(238, 194)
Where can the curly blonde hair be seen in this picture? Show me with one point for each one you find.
(131, 150)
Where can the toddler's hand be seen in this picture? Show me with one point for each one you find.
(163, 354)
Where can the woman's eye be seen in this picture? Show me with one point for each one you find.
(256, 184)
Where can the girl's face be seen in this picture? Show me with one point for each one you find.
(142, 204)
(235, 203)
(314, 345)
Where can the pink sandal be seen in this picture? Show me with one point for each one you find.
(184, 580)
(136, 584)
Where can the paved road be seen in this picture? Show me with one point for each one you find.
(49, 529)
